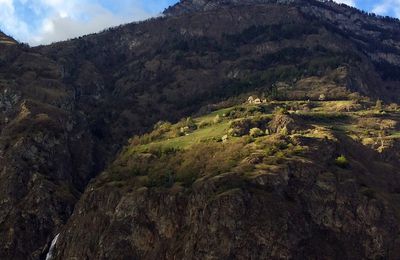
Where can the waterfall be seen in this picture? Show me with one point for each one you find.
(49, 255)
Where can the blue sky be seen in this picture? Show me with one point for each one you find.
(45, 21)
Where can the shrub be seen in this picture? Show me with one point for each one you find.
(160, 130)
(256, 132)
(240, 127)
(185, 130)
(284, 131)
(342, 162)
(163, 126)
(234, 132)
(185, 126)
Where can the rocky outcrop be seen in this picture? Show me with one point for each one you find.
(286, 123)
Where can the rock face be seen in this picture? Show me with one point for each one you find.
(306, 210)
(47, 152)
(66, 109)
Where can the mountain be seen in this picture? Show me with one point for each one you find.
(69, 109)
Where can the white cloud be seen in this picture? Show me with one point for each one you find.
(388, 7)
(60, 19)
(8, 18)
(6, 2)
(91, 18)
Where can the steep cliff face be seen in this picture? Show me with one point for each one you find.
(301, 213)
(47, 152)
(68, 108)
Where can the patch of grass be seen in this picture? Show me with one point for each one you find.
(209, 117)
(164, 167)
(213, 132)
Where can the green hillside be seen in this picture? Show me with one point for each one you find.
(251, 139)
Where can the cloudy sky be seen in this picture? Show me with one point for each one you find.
(45, 21)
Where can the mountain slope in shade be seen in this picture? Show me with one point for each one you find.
(68, 108)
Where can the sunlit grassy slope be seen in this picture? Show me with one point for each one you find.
(251, 141)
(344, 116)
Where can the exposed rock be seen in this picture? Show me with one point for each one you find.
(309, 210)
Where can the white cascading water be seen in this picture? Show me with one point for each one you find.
(49, 255)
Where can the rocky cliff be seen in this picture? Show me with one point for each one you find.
(68, 108)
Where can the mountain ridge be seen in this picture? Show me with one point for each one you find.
(187, 6)
(203, 5)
